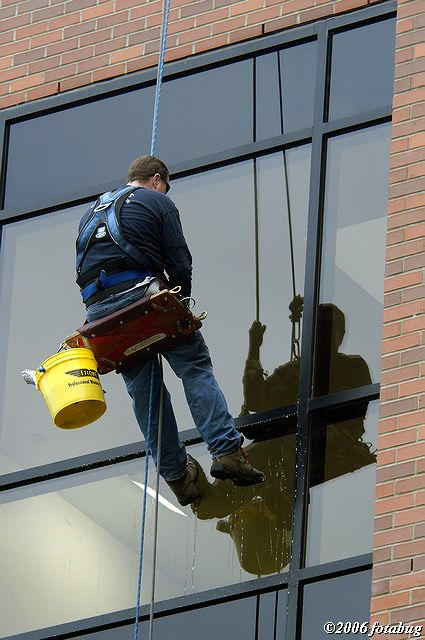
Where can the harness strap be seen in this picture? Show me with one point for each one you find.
(103, 281)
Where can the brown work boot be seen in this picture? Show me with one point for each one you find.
(235, 466)
(184, 488)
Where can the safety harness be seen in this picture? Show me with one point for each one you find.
(105, 215)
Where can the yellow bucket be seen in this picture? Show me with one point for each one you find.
(70, 385)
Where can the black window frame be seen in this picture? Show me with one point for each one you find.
(308, 406)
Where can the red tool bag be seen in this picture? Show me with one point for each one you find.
(135, 333)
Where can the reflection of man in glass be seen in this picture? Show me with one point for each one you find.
(259, 520)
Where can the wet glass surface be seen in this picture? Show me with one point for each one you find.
(342, 484)
(76, 539)
(353, 259)
(362, 72)
(243, 277)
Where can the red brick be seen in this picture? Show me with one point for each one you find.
(64, 71)
(280, 23)
(31, 5)
(61, 47)
(413, 293)
(14, 72)
(113, 19)
(420, 497)
(179, 52)
(181, 25)
(390, 505)
(384, 490)
(408, 581)
(386, 538)
(64, 21)
(380, 587)
(406, 218)
(396, 205)
(409, 516)
(392, 601)
(392, 299)
(382, 555)
(412, 387)
(126, 54)
(383, 523)
(413, 355)
(399, 115)
(74, 82)
(418, 595)
(224, 26)
(197, 7)
(44, 64)
(144, 9)
(47, 13)
(389, 362)
(210, 43)
(97, 11)
(391, 330)
(244, 6)
(28, 56)
(386, 457)
(12, 100)
(408, 549)
(93, 63)
(415, 231)
(14, 22)
(403, 373)
(43, 91)
(409, 614)
(195, 34)
(27, 83)
(411, 451)
(212, 16)
(133, 27)
(396, 407)
(403, 342)
(411, 419)
(46, 38)
(77, 54)
(110, 45)
(76, 5)
(79, 29)
(388, 393)
(410, 484)
(405, 436)
(31, 30)
(395, 471)
(95, 37)
(416, 200)
(142, 63)
(108, 72)
(392, 568)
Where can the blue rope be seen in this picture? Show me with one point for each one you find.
(145, 494)
(160, 70)
(164, 28)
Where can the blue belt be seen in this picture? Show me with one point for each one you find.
(104, 281)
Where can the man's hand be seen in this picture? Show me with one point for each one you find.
(256, 334)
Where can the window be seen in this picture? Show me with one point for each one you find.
(283, 204)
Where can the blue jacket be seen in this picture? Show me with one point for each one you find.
(150, 221)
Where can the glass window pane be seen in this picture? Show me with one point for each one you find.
(346, 598)
(77, 151)
(39, 306)
(362, 71)
(218, 214)
(205, 113)
(353, 259)
(285, 103)
(298, 78)
(342, 484)
(235, 619)
(76, 538)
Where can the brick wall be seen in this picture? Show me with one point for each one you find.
(399, 557)
(51, 46)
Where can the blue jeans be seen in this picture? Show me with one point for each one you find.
(191, 362)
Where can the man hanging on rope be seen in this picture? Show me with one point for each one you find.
(110, 278)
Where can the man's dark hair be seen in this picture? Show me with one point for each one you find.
(144, 167)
